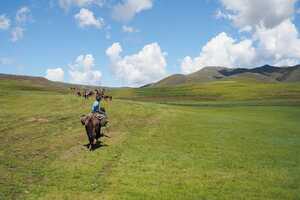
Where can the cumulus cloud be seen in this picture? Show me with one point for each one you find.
(82, 72)
(113, 52)
(66, 4)
(4, 22)
(126, 10)
(129, 29)
(23, 15)
(55, 74)
(17, 33)
(86, 18)
(268, 13)
(280, 44)
(148, 65)
(222, 50)
(275, 36)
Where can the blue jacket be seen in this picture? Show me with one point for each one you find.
(96, 106)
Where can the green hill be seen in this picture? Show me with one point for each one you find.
(263, 74)
(39, 83)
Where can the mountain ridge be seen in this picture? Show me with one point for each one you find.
(265, 73)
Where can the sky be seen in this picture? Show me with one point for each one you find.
(136, 42)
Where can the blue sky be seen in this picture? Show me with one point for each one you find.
(134, 42)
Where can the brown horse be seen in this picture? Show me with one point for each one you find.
(90, 93)
(106, 98)
(93, 124)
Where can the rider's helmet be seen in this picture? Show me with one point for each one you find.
(98, 97)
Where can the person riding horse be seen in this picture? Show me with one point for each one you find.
(94, 121)
(96, 107)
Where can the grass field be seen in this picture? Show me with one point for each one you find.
(244, 144)
(218, 91)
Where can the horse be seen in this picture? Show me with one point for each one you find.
(106, 98)
(93, 124)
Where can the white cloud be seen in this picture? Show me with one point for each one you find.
(223, 51)
(129, 8)
(86, 18)
(81, 71)
(280, 44)
(17, 33)
(221, 15)
(268, 13)
(4, 22)
(113, 52)
(275, 36)
(148, 65)
(286, 62)
(56, 74)
(129, 29)
(66, 4)
(23, 15)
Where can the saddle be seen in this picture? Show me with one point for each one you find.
(100, 116)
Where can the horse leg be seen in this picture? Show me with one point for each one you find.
(98, 132)
(101, 133)
(89, 132)
(88, 135)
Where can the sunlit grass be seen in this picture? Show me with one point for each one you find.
(216, 149)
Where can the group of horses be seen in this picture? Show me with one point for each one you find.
(86, 93)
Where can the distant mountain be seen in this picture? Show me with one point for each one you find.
(264, 73)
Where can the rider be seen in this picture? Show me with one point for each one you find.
(96, 107)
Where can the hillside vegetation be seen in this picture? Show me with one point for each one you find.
(219, 91)
(226, 149)
(261, 74)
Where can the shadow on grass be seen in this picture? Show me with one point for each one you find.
(96, 146)
(106, 136)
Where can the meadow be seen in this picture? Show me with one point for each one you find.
(237, 90)
(222, 140)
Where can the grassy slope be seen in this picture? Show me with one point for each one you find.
(264, 73)
(154, 151)
(220, 91)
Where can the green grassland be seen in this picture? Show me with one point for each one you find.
(226, 140)
(220, 91)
